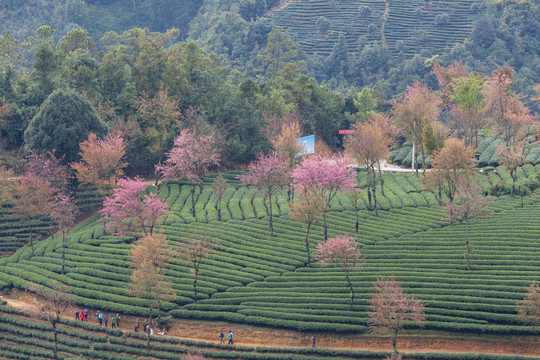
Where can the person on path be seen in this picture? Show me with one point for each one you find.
(117, 320)
(313, 342)
(100, 317)
(221, 341)
(137, 325)
(82, 316)
(106, 320)
(229, 336)
(113, 322)
(85, 312)
(145, 326)
(77, 315)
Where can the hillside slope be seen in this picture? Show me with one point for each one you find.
(408, 26)
(261, 280)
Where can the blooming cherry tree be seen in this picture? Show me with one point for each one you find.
(529, 308)
(509, 115)
(390, 308)
(419, 106)
(194, 251)
(191, 156)
(31, 196)
(269, 174)
(449, 167)
(126, 212)
(325, 178)
(306, 210)
(467, 204)
(341, 251)
(49, 167)
(370, 144)
(63, 213)
(101, 162)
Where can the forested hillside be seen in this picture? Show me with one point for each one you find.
(22, 17)
(347, 43)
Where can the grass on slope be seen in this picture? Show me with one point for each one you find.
(258, 279)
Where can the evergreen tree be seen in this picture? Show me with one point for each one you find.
(64, 120)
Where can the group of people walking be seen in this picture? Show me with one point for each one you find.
(229, 337)
(148, 327)
(82, 315)
(102, 318)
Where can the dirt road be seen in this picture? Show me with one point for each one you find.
(408, 341)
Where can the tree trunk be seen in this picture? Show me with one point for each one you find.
(325, 227)
(423, 159)
(394, 340)
(31, 239)
(219, 210)
(513, 174)
(351, 287)
(158, 175)
(381, 179)
(63, 250)
(440, 195)
(159, 310)
(369, 197)
(467, 243)
(193, 200)
(356, 225)
(413, 158)
(522, 195)
(195, 283)
(55, 350)
(307, 245)
(270, 213)
(375, 193)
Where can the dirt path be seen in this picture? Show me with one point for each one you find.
(261, 336)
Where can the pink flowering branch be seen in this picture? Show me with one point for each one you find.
(191, 156)
(341, 251)
(126, 212)
(390, 309)
(269, 174)
(324, 177)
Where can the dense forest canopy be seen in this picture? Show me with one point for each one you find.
(152, 68)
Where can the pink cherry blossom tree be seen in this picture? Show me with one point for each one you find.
(48, 166)
(101, 162)
(306, 210)
(31, 196)
(509, 115)
(194, 251)
(325, 178)
(268, 174)
(390, 308)
(467, 205)
(343, 252)
(529, 308)
(63, 213)
(192, 155)
(419, 106)
(370, 144)
(127, 213)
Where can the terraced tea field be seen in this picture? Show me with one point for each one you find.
(262, 280)
(14, 233)
(432, 24)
